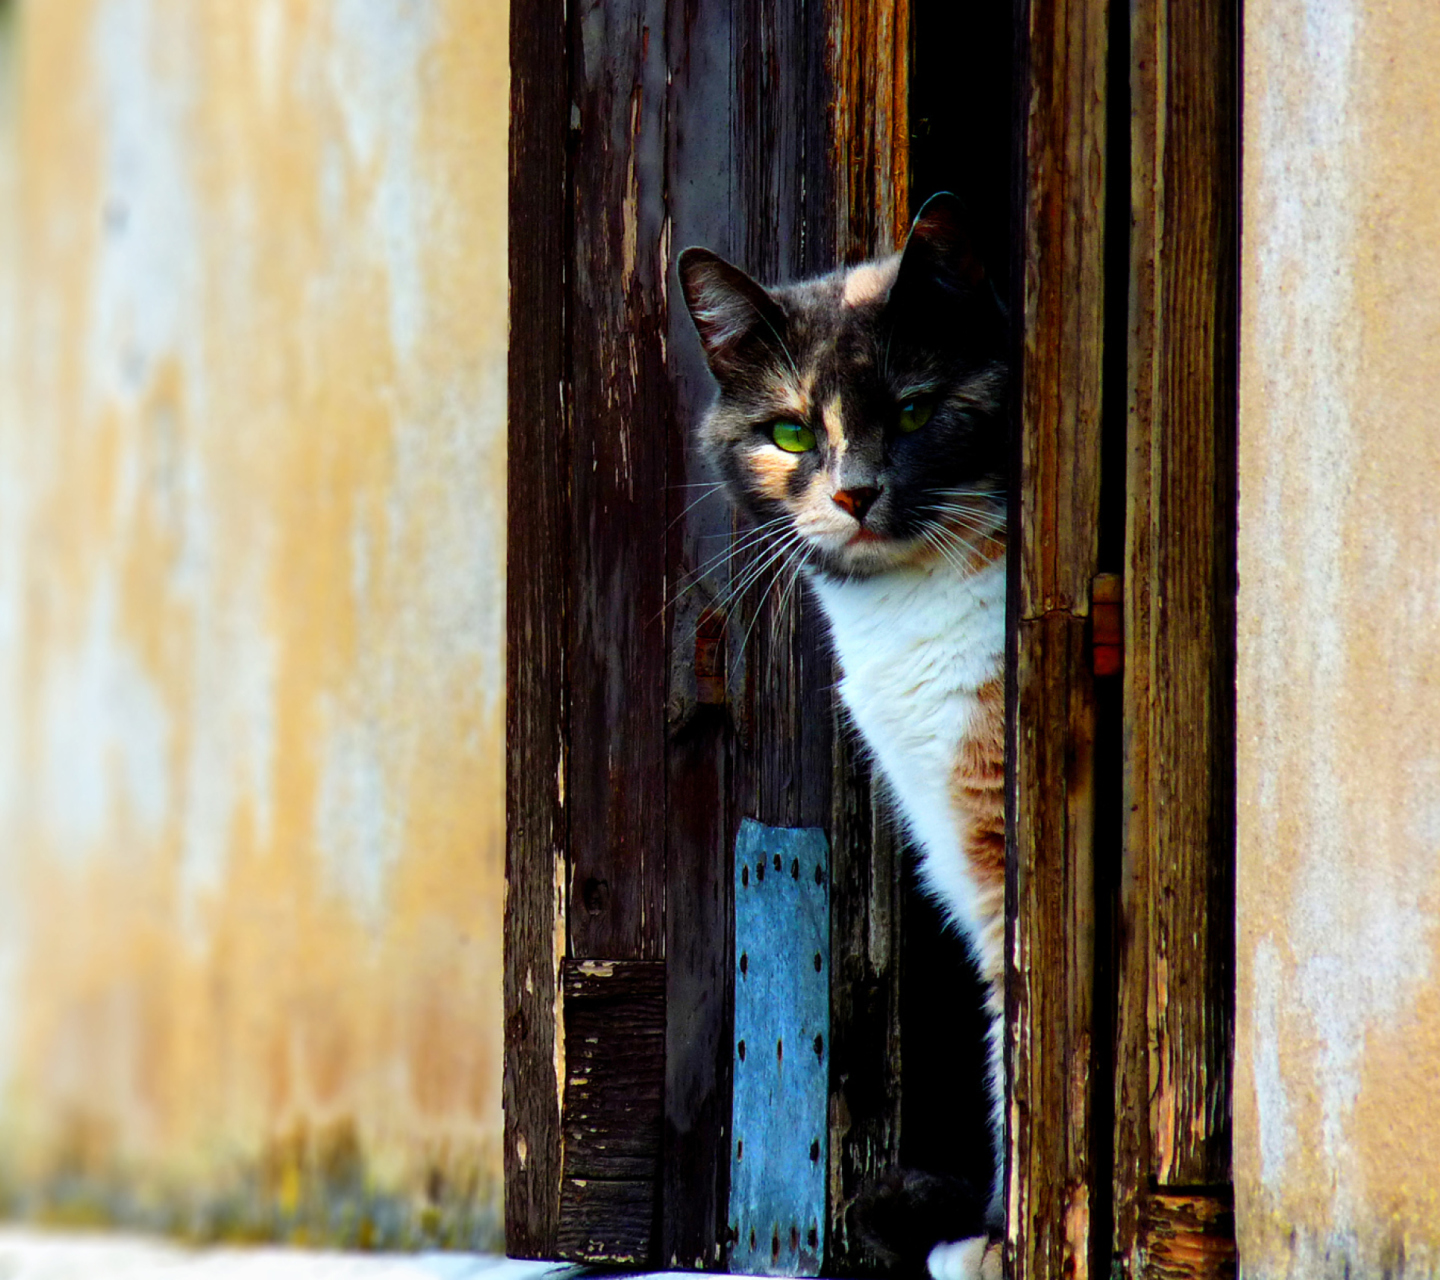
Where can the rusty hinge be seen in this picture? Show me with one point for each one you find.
(1107, 624)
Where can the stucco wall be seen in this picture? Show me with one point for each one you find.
(252, 459)
(1338, 1046)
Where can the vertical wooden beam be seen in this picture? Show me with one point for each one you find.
(1050, 1004)
(869, 54)
(536, 625)
(1176, 979)
(620, 406)
(700, 180)
(616, 769)
(644, 127)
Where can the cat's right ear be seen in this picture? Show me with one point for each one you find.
(728, 308)
(940, 259)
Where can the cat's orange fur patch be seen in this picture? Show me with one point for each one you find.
(971, 554)
(869, 282)
(834, 422)
(977, 792)
(798, 390)
(773, 467)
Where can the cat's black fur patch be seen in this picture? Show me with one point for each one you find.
(903, 1215)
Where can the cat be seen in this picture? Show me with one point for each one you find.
(863, 414)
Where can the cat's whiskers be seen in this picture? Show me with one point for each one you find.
(959, 543)
(796, 553)
(791, 550)
(794, 578)
(750, 538)
(709, 492)
(957, 523)
(940, 548)
(983, 521)
(756, 569)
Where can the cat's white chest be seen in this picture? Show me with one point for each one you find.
(915, 649)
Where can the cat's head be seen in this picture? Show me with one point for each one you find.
(862, 411)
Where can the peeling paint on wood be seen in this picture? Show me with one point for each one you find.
(779, 1116)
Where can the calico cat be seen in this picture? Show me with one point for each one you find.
(863, 414)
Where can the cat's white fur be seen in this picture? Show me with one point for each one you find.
(916, 646)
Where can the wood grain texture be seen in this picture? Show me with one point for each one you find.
(1062, 292)
(614, 1110)
(746, 178)
(1051, 985)
(537, 613)
(869, 50)
(620, 403)
(1187, 1236)
(606, 1222)
(1050, 996)
(1176, 983)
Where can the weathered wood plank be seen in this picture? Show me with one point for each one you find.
(606, 1222)
(620, 412)
(1187, 1236)
(700, 826)
(1062, 291)
(614, 1069)
(537, 614)
(614, 1110)
(1051, 989)
(1177, 898)
(869, 55)
(1050, 996)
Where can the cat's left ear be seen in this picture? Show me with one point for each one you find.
(940, 258)
(728, 307)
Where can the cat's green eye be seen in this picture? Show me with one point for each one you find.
(914, 414)
(792, 437)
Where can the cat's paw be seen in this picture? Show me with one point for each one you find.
(978, 1258)
(903, 1215)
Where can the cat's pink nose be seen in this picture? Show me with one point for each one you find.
(856, 501)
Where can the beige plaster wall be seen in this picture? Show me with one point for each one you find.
(252, 459)
(1337, 1109)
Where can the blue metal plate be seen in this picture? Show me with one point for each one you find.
(779, 1152)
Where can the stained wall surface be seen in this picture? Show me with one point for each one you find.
(1337, 1109)
(252, 460)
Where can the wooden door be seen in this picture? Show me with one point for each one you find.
(1121, 989)
(650, 713)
